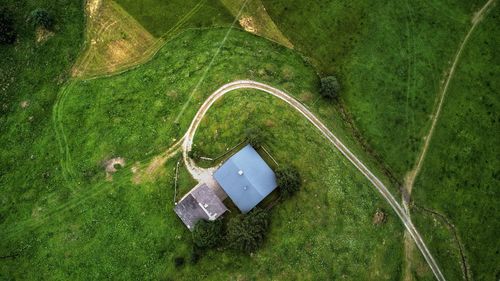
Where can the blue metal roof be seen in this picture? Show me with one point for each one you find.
(246, 178)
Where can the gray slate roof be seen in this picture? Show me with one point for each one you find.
(200, 203)
(246, 178)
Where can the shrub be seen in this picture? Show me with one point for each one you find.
(41, 18)
(247, 232)
(208, 234)
(7, 31)
(194, 153)
(289, 180)
(196, 253)
(254, 136)
(179, 261)
(330, 87)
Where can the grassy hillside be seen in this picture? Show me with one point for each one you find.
(460, 176)
(165, 18)
(83, 226)
(31, 74)
(390, 58)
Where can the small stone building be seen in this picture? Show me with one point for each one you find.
(200, 203)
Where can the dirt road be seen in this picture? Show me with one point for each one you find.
(200, 174)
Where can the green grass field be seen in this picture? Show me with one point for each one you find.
(460, 178)
(390, 58)
(93, 227)
(61, 218)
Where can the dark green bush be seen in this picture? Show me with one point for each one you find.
(254, 136)
(179, 261)
(246, 233)
(289, 180)
(208, 234)
(330, 87)
(41, 18)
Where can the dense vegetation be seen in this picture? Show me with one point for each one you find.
(247, 232)
(62, 218)
(288, 179)
(208, 234)
(330, 87)
(41, 18)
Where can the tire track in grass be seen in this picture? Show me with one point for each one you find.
(183, 20)
(207, 69)
(412, 174)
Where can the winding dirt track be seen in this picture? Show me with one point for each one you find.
(199, 173)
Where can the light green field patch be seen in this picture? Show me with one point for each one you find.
(253, 18)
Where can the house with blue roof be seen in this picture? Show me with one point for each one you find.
(246, 178)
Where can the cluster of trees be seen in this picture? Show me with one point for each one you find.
(243, 233)
(37, 18)
(246, 233)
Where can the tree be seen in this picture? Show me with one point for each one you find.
(41, 18)
(289, 180)
(330, 87)
(254, 136)
(247, 232)
(208, 234)
(7, 31)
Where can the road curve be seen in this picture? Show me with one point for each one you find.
(248, 84)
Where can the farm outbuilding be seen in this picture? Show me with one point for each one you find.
(200, 203)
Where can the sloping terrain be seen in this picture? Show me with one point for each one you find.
(167, 18)
(253, 17)
(114, 40)
(126, 230)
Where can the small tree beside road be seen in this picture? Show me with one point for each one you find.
(330, 87)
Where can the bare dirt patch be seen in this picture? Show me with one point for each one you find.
(248, 24)
(111, 166)
(153, 168)
(43, 34)
(255, 19)
(25, 104)
(93, 7)
(115, 40)
(379, 217)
